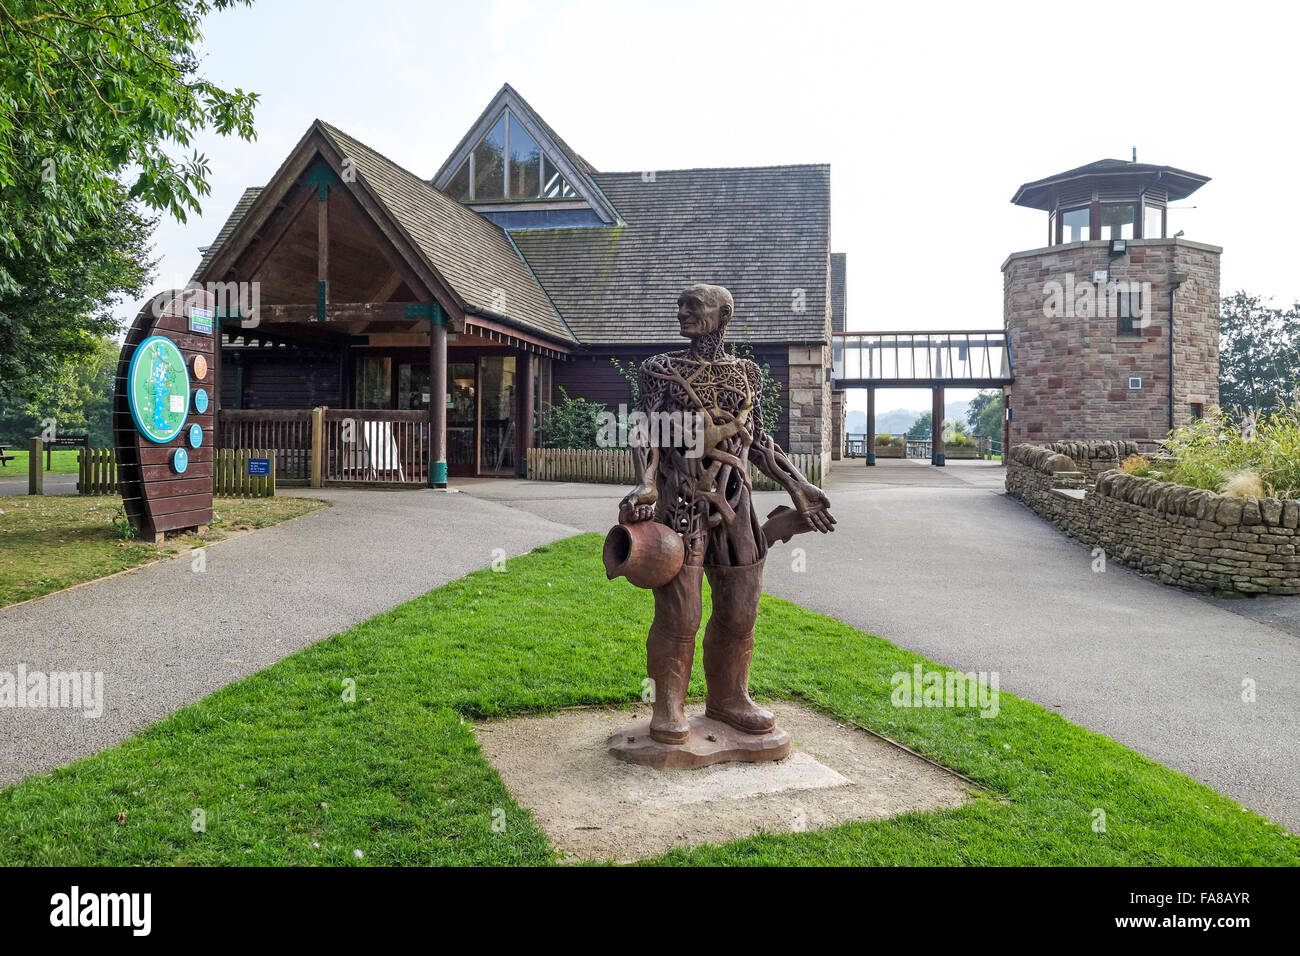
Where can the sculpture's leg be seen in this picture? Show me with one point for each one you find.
(670, 650)
(729, 646)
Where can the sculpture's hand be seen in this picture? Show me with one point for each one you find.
(638, 505)
(812, 503)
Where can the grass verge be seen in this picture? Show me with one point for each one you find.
(63, 461)
(51, 542)
(286, 771)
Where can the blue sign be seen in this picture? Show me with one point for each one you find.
(201, 401)
(259, 466)
(196, 435)
(180, 461)
(201, 320)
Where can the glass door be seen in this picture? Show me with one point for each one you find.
(497, 414)
(462, 408)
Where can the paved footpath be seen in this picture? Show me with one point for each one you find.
(942, 562)
(165, 636)
(939, 561)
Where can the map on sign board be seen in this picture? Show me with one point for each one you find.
(158, 389)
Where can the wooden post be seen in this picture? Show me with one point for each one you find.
(438, 399)
(317, 447)
(35, 475)
(525, 429)
(871, 426)
(936, 433)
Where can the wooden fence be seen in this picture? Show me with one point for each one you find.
(97, 473)
(230, 477)
(617, 466)
(384, 447)
(287, 431)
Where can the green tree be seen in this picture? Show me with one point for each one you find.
(984, 416)
(922, 427)
(79, 399)
(60, 308)
(1259, 353)
(96, 97)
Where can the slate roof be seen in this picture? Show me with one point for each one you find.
(236, 216)
(839, 291)
(473, 254)
(1041, 194)
(763, 232)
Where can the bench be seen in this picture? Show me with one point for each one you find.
(5, 458)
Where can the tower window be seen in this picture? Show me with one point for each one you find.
(1117, 220)
(1128, 310)
(1075, 225)
(1153, 221)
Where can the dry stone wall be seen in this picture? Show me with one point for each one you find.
(1184, 536)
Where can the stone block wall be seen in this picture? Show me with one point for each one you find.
(1183, 536)
(809, 398)
(1073, 368)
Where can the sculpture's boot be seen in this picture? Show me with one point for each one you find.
(729, 646)
(670, 650)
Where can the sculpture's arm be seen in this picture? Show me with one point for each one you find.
(639, 503)
(809, 500)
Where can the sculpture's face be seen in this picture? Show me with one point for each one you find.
(697, 318)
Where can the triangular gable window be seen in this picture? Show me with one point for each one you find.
(486, 176)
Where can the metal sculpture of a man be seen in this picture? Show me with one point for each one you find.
(700, 489)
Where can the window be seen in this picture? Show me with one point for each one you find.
(1075, 225)
(525, 164)
(507, 164)
(1117, 220)
(458, 187)
(489, 163)
(1128, 309)
(1198, 411)
(1153, 222)
(374, 383)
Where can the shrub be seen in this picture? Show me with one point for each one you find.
(1244, 484)
(1136, 465)
(572, 423)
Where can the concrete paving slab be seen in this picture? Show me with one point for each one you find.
(595, 807)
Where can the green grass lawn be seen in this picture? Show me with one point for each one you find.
(51, 542)
(63, 461)
(287, 772)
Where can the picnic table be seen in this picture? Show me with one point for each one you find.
(5, 457)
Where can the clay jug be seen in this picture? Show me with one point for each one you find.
(647, 553)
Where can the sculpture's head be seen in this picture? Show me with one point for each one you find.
(703, 308)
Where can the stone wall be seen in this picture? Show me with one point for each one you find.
(1073, 369)
(1094, 457)
(810, 401)
(1184, 536)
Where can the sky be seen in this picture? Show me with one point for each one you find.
(929, 114)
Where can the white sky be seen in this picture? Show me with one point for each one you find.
(930, 115)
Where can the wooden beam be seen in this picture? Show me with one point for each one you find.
(322, 252)
(386, 288)
(277, 227)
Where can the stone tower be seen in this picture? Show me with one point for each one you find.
(1088, 315)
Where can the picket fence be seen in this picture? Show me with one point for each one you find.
(617, 466)
(97, 473)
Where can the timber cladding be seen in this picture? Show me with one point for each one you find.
(166, 485)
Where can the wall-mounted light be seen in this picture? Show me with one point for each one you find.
(1118, 247)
